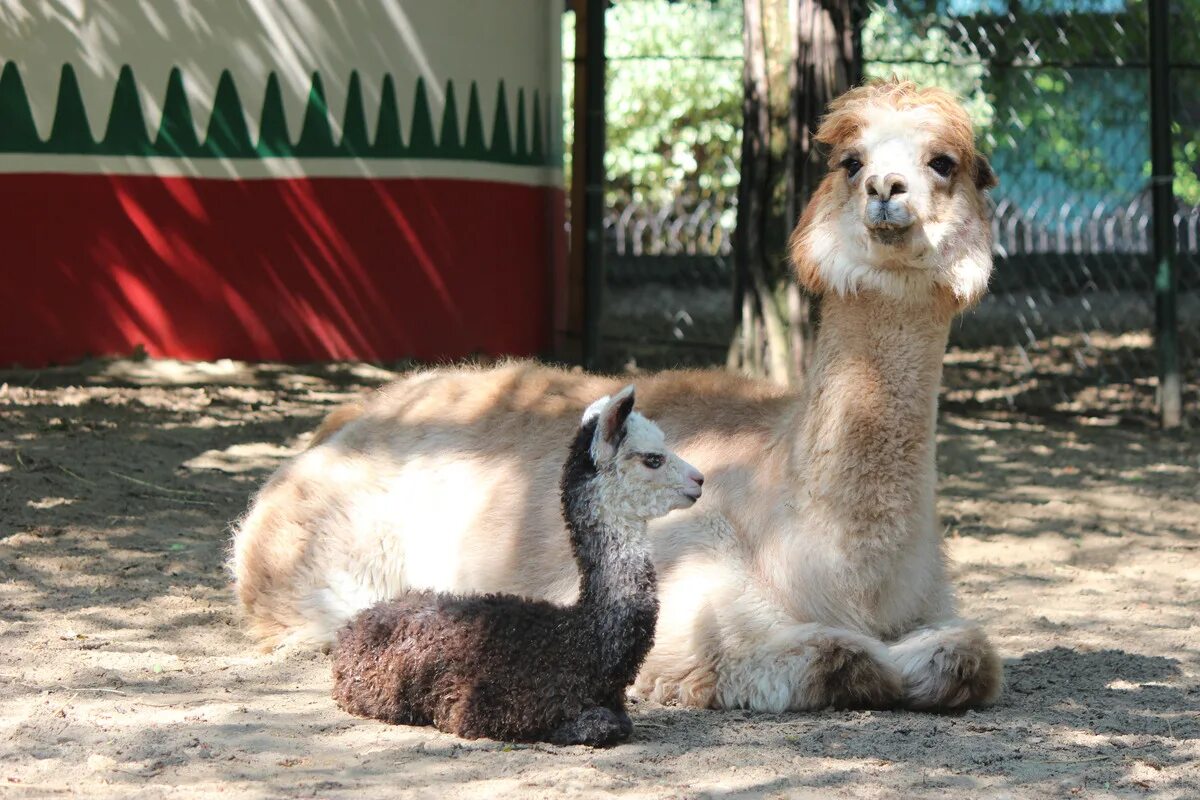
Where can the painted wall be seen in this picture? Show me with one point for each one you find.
(279, 179)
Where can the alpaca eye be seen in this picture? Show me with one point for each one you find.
(942, 165)
(852, 166)
(653, 460)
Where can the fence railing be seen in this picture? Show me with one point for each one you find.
(1067, 323)
(1060, 93)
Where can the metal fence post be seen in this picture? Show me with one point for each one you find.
(1166, 278)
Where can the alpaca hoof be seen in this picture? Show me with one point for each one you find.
(961, 673)
(598, 727)
(845, 675)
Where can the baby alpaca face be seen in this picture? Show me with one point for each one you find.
(652, 476)
(642, 478)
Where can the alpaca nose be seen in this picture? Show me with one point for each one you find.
(697, 477)
(887, 187)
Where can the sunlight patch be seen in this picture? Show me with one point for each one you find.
(50, 502)
(238, 458)
(170, 371)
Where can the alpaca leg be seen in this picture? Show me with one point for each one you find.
(724, 642)
(815, 667)
(787, 668)
(947, 667)
(597, 726)
(616, 704)
(625, 722)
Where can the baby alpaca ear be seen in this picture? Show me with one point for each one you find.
(593, 411)
(610, 427)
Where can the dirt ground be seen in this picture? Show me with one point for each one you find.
(123, 671)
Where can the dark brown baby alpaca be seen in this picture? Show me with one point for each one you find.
(505, 667)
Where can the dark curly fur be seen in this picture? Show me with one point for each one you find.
(504, 667)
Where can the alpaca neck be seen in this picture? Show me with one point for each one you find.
(864, 446)
(617, 602)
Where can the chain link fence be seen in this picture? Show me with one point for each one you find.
(1059, 90)
(669, 276)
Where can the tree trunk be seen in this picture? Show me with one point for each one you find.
(762, 327)
(827, 60)
(777, 329)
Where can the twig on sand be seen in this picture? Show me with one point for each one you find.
(75, 689)
(1071, 760)
(190, 502)
(156, 486)
(74, 475)
(193, 702)
(169, 491)
(62, 708)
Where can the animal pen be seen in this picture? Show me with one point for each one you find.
(1088, 110)
(127, 668)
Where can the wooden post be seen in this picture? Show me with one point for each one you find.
(585, 270)
(571, 346)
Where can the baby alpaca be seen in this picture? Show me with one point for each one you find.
(503, 667)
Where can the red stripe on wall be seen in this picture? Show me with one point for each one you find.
(292, 270)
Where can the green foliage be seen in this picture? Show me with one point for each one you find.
(674, 99)
(894, 45)
(1060, 136)
(1187, 161)
(1057, 134)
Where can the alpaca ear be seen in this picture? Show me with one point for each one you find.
(593, 411)
(610, 427)
(985, 178)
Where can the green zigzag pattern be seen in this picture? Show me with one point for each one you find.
(229, 137)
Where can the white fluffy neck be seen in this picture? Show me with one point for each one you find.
(863, 446)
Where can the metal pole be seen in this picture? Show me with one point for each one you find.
(1166, 278)
(593, 178)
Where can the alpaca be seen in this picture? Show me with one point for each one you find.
(508, 668)
(813, 575)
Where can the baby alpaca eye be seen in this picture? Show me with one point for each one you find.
(653, 460)
(942, 165)
(852, 166)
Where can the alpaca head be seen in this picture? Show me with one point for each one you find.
(903, 210)
(624, 458)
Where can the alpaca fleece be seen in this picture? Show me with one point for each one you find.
(814, 573)
(504, 667)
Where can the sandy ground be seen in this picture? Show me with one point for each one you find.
(123, 671)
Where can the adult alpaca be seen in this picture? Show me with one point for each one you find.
(813, 573)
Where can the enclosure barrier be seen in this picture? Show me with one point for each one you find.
(1061, 94)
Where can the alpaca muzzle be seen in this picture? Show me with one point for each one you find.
(888, 221)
